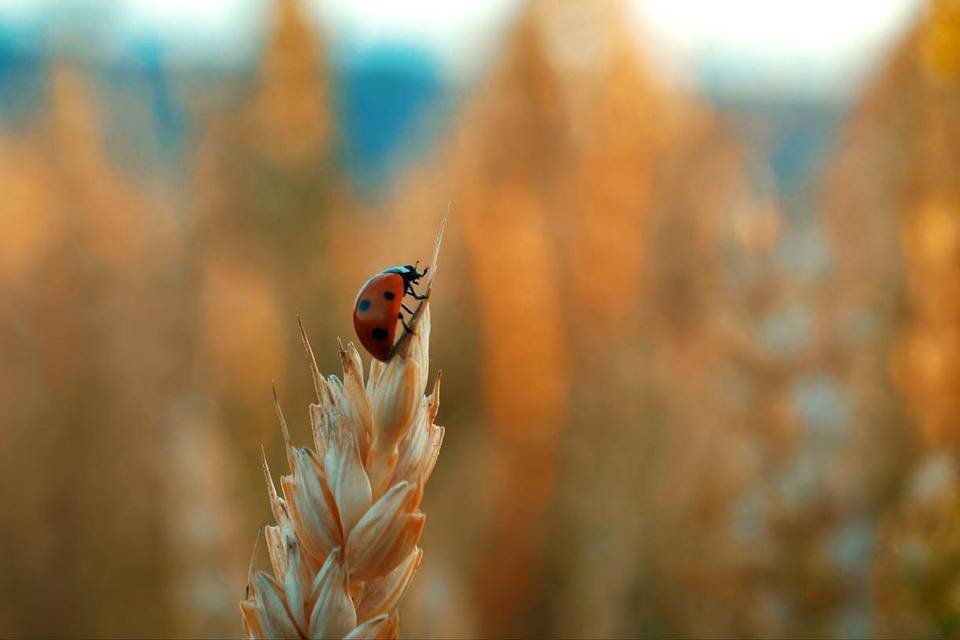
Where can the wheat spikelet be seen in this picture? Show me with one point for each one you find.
(344, 546)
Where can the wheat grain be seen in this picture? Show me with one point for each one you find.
(344, 546)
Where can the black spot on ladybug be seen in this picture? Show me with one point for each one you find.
(364, 305)
(379, 334)
(389, 295)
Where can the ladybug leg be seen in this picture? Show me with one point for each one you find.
(413, 293)
(407, 309)
(404, 323)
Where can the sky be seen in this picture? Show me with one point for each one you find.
(813, 45)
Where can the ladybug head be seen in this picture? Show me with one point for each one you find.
(413, 274)
(409, 272)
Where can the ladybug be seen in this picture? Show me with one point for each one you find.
(378, 305)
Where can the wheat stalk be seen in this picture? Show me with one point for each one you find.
(344, 546)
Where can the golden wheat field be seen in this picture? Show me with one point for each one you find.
(685, 362)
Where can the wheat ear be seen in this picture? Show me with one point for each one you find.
(344, 546)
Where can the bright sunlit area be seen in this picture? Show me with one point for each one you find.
(808, 46)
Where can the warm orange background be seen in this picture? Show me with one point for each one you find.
(684, 396)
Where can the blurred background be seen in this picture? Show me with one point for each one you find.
(699, 314)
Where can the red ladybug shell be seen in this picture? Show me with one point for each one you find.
(376, 311)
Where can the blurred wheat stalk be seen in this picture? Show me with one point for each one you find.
(344, 547)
